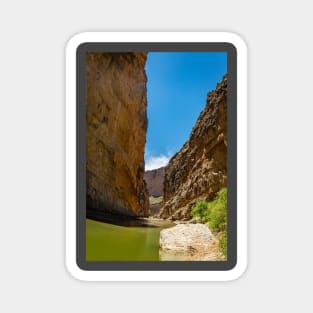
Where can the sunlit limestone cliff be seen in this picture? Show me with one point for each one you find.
(116, 133)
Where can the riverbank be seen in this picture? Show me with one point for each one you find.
(127, 220)
(111, 237)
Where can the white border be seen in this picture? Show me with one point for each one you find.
(72, 267)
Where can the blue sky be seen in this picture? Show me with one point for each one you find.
(178, 83)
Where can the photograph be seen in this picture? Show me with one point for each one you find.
(156, 156)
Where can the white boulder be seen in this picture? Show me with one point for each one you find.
(188, 242)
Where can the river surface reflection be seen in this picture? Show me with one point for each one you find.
(109, 242)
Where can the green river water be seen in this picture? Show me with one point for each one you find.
(108, 242)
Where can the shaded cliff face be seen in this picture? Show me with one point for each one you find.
(155, 180)
(116, 133)
(199, 169)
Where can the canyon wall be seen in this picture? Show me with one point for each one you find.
(199, 169)
(155, 180)
(116, 133)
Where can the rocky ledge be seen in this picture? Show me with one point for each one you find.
(189, 242)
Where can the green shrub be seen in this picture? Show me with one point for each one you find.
(200, 211)
(223, 243)
(214, 213)
(218, 211)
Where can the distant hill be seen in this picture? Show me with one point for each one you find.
(155, 180)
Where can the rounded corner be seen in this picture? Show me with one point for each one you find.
(75, 41)
(237, 271)
(231, 265)
(75, 271)
(236, 41)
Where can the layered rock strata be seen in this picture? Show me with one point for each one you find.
(116, 133)
(199, 169)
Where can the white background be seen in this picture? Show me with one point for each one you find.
(33, 277)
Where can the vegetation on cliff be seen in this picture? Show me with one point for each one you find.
(214, 214)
